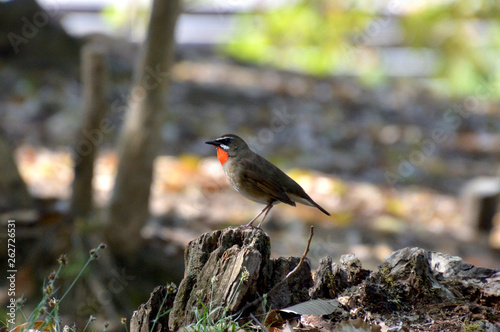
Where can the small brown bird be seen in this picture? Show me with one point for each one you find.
(256, 178)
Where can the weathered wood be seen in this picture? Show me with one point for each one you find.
(330, 279)
(230, 268)
(145, 318)
(414, 275)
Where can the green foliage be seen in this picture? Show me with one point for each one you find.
(324, 37)
(214, 319)
(467, 37)
(474, 327)
(128, 18)
(300, 36)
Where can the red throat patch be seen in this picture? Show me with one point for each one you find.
(222, 155)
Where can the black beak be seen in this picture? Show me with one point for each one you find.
(212, 143)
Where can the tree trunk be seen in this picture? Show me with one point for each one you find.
(140, 138)
(94, 77)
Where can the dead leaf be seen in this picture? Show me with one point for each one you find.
(357, 325)
(317, 307)
(38, 326)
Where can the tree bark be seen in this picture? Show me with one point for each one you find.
(140, 139)
(227, 269)
(145, 318)
(230, 268)
(94, 77)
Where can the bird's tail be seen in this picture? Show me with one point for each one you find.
(307, 201)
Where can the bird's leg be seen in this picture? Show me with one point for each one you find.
(268, 207)
(265, 215)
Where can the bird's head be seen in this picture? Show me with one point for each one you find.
(228, 146)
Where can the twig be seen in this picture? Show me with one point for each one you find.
(259, 323)
(288, 276)
(296, 269)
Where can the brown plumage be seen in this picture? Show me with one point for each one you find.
(256, 178)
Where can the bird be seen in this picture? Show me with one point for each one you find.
(256, 178)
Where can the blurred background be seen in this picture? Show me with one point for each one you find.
(386, 112)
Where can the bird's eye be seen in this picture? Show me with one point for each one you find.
(224, 141)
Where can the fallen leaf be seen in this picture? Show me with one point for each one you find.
(317, 307)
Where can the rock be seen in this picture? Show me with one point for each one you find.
(230, 268)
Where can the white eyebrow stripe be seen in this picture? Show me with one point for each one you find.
(223, 138)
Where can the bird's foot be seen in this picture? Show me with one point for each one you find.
(246, 226)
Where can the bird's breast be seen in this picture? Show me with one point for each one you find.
(241, 185)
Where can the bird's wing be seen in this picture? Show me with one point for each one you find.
(264, 178)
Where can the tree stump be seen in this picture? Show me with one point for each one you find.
(330, 279)
(413, 288)
(145, 319)
(230, 268)
(480, 199)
